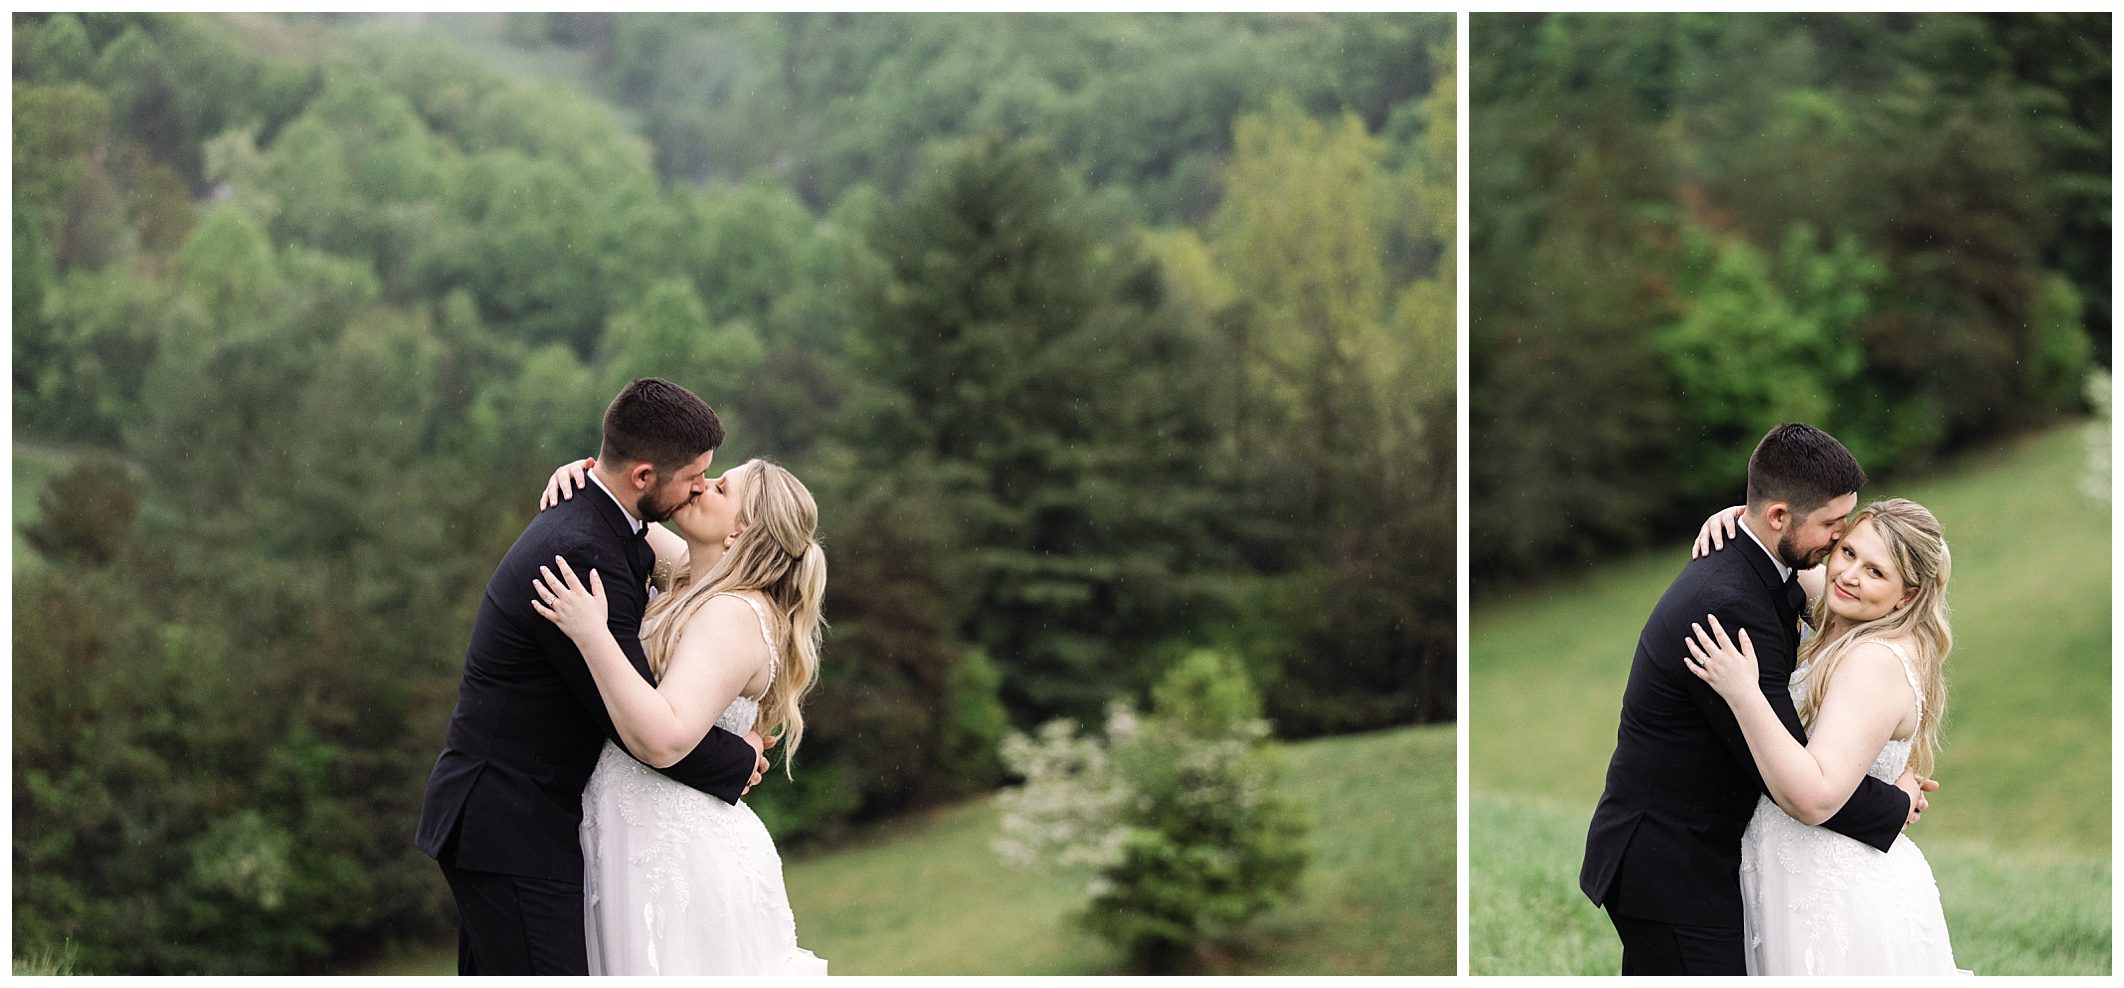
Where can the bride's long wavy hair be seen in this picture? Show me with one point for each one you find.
(1920, 554)
(777, 555)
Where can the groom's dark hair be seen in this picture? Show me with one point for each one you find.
(660, 423)
(1803, 467)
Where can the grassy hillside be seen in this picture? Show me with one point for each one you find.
(925, 895)
(2019, 834)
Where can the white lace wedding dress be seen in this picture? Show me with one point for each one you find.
(1817, 902)
(676, 881)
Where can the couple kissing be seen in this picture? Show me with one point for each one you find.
(621, 690)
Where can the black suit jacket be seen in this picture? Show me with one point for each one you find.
(529, 723)
(1665, 843)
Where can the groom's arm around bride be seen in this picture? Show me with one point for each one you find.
(1874, 813)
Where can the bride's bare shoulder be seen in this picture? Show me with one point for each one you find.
(1873, 673)
(1869, 662)
(725, 607)
(725, 630)
(1892, 651)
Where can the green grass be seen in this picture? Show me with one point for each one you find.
(2009, 911)
(47, 962)
(2027, 757)
(926, 895)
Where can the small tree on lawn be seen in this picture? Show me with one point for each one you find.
(1176, 812)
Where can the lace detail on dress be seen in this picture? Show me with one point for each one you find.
(1895, 756)
(1817, 902)
(676, 881)
(656, 854)
(744, 712)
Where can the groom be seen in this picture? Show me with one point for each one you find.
(505, 800)
(1663, 853)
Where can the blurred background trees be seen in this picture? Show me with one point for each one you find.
(1101, 340)
(1689, 228)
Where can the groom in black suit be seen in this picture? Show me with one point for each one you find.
(1663, 853)
(505, 800)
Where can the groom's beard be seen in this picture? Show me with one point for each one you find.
(1790, 556)
(646, 508)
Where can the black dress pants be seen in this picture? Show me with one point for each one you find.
(1652, 947)
(515, 924)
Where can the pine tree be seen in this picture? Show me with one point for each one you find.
(1014, 347)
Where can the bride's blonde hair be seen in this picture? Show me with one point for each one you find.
(1912, 536)
(777, 555)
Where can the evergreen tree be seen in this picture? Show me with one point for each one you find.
(1015, 349)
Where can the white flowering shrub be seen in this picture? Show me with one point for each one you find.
(1176, 815)
(1067, 814)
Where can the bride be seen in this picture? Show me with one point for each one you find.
(1869, 690)
(676, 881)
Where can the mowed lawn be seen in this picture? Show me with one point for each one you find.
(2019, 835)
(926, 895)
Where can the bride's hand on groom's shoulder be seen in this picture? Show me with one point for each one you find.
(579, 610)
(1717, 659)
(1717, 529)
(571, 477)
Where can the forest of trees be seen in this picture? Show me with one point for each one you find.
(1100, 339)
(1687, 228)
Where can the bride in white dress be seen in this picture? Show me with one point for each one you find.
(677, 881)
(1867, 685)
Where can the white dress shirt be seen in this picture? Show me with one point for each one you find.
(632, 522)
(1784, 572)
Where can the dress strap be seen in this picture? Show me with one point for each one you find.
(773, 658)
(1909, 674)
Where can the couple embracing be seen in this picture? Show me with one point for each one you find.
(1777, 736)
(620, 692)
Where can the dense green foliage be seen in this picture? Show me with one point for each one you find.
(1688, 228)
(2019, 834)
(309, 307)
(1142, 105)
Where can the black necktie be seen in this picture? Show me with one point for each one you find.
(639, 553)
(1795, 595)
